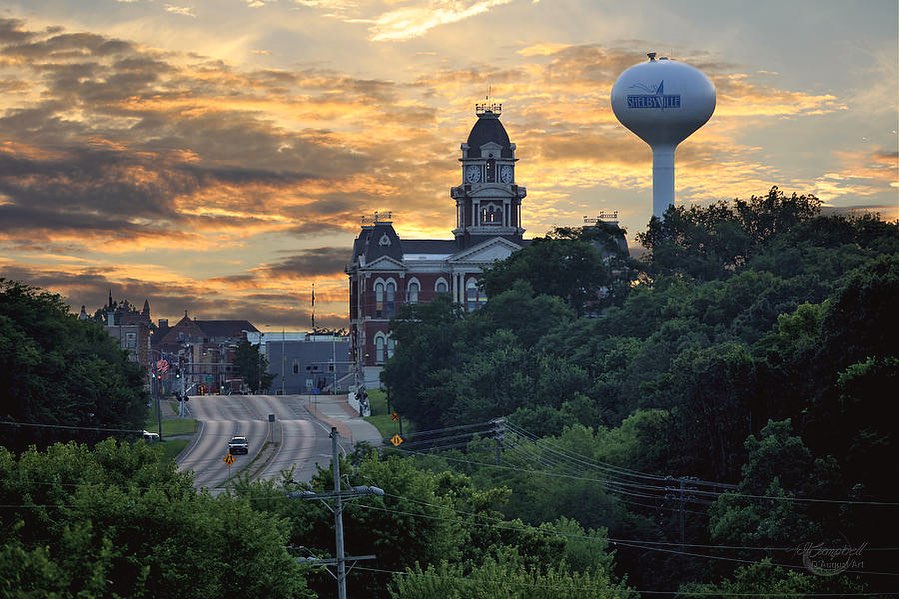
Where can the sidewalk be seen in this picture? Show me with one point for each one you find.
(335, 411)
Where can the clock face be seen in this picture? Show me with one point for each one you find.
(506, 174)
(473, 173)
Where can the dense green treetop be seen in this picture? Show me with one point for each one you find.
(742, 313)
(116, 522)
(252, 366)
(57, 371)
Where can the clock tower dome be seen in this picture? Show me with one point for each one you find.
(488, 202)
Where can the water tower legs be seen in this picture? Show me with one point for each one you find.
(662, 179)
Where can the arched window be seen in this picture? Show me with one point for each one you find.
(412, 292)
(379, 348)
(391, 346)
(441, 286)
(379, 298)
(391, 297)
(492, 214)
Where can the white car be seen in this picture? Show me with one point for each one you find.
(148, 436)
(238, 445)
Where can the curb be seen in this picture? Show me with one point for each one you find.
(341, 427)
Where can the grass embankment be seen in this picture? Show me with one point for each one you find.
(170, 448)
(171, 426)
(380, 415)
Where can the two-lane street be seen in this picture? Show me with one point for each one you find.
(297, 439)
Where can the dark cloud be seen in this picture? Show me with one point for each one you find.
(148, 108)
(171, 300)
(106, 184)
(11, 32)
(318, 261)
(318, 227)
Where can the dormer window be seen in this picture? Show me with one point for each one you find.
(384, 241)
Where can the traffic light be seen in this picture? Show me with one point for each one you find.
(177, 373)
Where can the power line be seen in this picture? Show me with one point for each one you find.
(72, 427)
(633, 545)
(714, 494)
(648, 592)
(498, 522)
(621, 471)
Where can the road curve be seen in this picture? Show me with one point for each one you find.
(298, 440)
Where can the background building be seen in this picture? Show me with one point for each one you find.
(201, 352)
(132, 328)
(311, 364)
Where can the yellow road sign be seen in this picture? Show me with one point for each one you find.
(396, 440)
(229, 459)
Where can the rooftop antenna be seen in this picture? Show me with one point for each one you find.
(313, 308)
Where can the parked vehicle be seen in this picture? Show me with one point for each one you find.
(236, 387)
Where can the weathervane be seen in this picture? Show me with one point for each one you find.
(487, 106)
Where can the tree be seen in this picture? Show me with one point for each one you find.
(503, 578)
(58, 372)
(780, 468)
(113, 521)
(714, 241)
(252, 366)
(429, 346)
(564, 266)
(764, 579)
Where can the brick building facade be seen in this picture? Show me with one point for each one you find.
(386, 271)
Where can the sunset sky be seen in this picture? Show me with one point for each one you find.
(216, 156)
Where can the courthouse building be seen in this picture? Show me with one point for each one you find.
(386, 271)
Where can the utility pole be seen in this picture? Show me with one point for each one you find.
(338, 496)
(499, 433)
(681, 496)
(181, 392)
(334, 362)
(338, 517)
(157, 381)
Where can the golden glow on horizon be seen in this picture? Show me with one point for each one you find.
(122, 157)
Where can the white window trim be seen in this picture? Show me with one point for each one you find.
(413, 281)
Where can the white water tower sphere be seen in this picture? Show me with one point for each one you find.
(663, 102)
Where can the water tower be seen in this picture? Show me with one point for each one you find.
(663, 102)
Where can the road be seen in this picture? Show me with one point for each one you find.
(297, 439)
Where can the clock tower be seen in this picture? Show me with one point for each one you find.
(488, 202)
